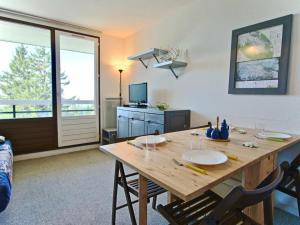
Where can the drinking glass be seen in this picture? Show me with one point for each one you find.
(259, 127)
(195, 143)
(151, 142)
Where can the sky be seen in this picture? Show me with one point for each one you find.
(78, 66)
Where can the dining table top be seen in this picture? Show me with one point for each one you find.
(158, 165)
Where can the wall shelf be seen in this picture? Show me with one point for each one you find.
(171, 65)
(149, 54)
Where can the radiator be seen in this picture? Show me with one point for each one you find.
(110, 112)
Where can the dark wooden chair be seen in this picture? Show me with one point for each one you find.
(290, 184)
(130, 185)
(211, 209)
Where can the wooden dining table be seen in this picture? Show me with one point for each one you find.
(183, 183)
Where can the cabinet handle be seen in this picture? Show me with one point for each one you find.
(149, 121)
(132, 118)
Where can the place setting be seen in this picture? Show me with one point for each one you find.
(196, 158)
(273, 136)
(197, 155)
(148, 142)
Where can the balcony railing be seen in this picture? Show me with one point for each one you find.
(14, 103)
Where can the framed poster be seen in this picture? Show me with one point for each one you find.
(260, 57)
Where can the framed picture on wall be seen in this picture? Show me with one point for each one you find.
(260, 57)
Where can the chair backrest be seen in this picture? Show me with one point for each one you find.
(239, 198)
(296, 162)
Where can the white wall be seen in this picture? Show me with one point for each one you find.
(204, 27)
(111, 54)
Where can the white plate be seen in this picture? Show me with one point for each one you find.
(151, 139)
(274, 135)
(204, 157)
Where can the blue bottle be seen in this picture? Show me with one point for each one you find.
(215, 134)
(209, 130)
(224, 130)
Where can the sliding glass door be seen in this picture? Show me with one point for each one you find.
(77, 88)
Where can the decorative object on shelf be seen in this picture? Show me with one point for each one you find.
(260, 57)
(167, 59)
(162, 106)
(173, 54)
(216, 134)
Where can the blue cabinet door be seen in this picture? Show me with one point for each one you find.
(136, 128)
(152, 128)
(122, 127)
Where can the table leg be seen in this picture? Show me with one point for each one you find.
(171, 197)
(252, 176)
(142, 200)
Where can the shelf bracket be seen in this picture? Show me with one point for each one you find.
(143, 63)
(156, 58)
(172, 70)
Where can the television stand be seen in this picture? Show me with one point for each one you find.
(132, 122)
(143, 106)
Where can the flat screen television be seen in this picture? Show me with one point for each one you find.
(138, 93)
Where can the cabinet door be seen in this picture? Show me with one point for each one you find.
(177, 120)
(122, 127)
(151, 128)
(136, 128)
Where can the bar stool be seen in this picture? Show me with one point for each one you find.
(290, 184)
(211, 209)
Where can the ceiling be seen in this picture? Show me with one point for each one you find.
(119, 18)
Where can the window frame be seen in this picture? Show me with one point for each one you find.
(42, 132)
(52, 30)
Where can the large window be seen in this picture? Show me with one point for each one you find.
(25, 71)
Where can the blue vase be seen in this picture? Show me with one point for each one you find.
(215, 134)
(208, 132)
(224, 130)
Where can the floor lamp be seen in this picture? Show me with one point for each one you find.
(120, 94)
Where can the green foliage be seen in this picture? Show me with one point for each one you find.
(29, 77)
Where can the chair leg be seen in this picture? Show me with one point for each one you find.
(127, 195)
(297, 182)
(154, 200)
(115, 194)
